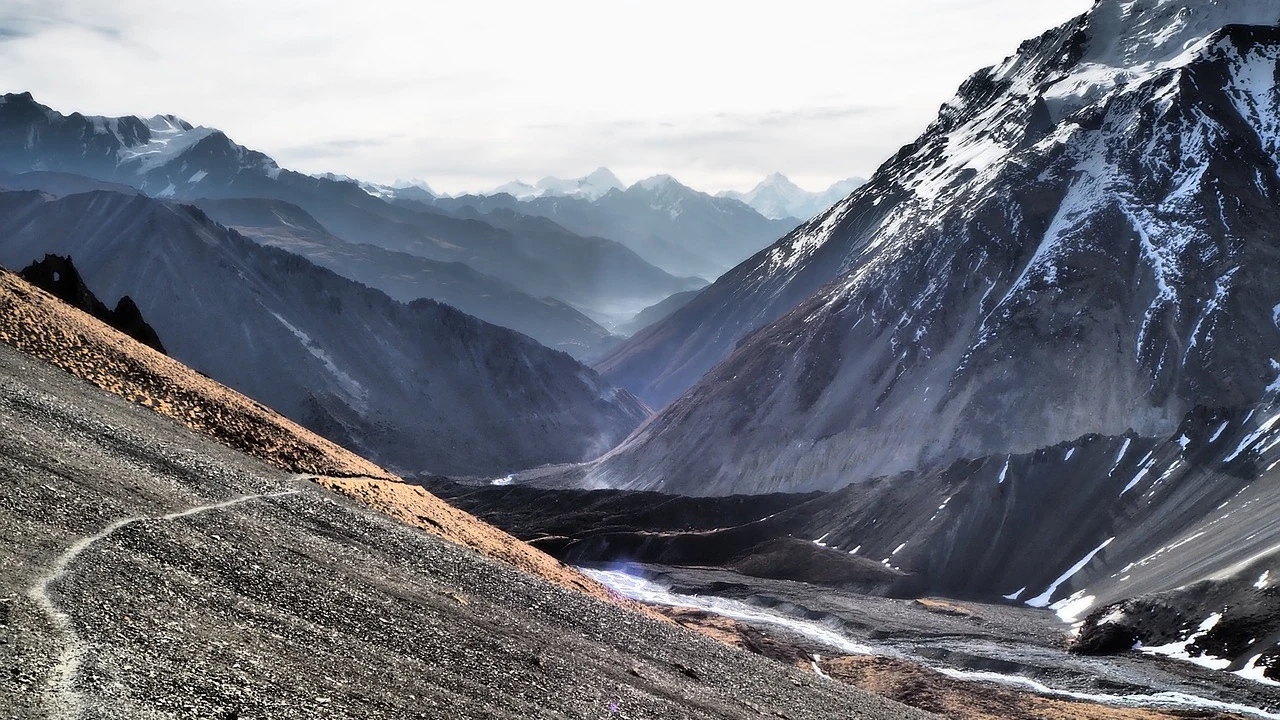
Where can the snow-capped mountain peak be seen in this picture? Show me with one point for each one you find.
(658, 182)
(777, 197)
(589, 187)
(1102, 199)
(603, 179)
(401, 184)
(169, 138)
(162, 155)
(1136, 35)
(516, 189)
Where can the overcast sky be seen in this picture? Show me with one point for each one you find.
(467, 95)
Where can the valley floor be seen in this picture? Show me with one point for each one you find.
(147, 572)
(986, 656)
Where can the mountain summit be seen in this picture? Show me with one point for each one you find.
(1084, 241)
(776, 197)
(590, 187)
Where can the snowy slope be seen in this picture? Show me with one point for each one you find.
(163, 156)
(1085, 240)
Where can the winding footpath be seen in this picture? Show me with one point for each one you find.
(64, 700)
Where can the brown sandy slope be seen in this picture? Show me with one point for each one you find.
(40, 325)
(920, 687)
(414, 506)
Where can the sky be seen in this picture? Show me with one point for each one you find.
(469, 95)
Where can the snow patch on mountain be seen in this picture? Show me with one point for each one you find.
(170, 138)
(589, 187)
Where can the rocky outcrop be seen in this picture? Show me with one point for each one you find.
(58, 276)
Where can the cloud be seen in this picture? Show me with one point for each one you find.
(22, 19)
(469, 95)
(711, 151)
(338, 147)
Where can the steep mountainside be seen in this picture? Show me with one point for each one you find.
(167, 157)
(155, 573)
(776, 197)
(1084, 241)
(408, 277)
(418, 386)
(679, 229)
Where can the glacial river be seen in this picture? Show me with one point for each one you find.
(647, 591)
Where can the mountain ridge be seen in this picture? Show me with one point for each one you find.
(170, 158)
(981, 298)
(776, 197)
(297, 337)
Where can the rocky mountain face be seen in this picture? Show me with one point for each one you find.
(1036, 356)
(167, 157)
(1083, 242)
(777, 198)
(407, 277)
(681, 230)
(58, 276)
(416, 386)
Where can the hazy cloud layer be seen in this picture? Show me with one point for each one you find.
(469, 95)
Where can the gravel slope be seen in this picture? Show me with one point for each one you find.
(301, 605)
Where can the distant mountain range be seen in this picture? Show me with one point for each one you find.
(417, 385)
(407, 277)
(591, 187)
(777, 198)
(679, 229)
(167, 157)
(670, 225)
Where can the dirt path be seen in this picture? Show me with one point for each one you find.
(63, 700)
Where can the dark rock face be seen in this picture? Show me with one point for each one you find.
(1105, 639)
(1001, 285)
(414, 387)
(58, 276)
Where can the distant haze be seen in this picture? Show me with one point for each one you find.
(467, 96)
